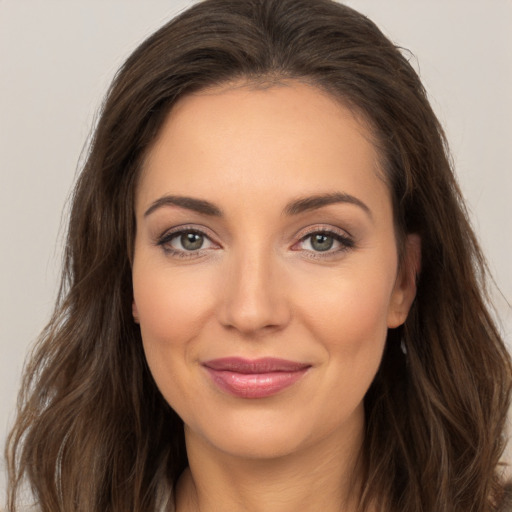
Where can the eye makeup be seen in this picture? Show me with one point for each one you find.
(186, 242)
(189, 241)
(324, 241)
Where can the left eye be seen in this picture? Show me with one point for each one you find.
(325, 241)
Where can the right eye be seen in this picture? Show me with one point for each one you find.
(185, 242)
(188, 241)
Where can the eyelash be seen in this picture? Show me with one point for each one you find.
(165, 240)
(345, 241)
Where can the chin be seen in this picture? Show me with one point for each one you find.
(254, 444)
(253, 435)
(270, 434)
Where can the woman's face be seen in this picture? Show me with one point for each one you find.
(265, 269)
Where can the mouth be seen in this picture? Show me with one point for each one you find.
(256, 378)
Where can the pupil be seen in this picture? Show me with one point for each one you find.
(322, 242)
(191, 241)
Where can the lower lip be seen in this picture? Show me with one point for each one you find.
(254, 385)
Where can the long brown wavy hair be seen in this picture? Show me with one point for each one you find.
(93, 433)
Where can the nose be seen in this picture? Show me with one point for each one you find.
(253, 297)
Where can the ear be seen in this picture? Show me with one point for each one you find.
(135, 312)
(405, 285)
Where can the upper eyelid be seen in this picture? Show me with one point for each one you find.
(187, 228)
(322, 228)
(299, 235)
(165, 239)
(340, 238)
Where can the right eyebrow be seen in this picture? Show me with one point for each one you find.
(190, 203)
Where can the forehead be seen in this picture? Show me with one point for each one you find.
(238, 137)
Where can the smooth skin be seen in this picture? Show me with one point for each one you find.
(265, 229)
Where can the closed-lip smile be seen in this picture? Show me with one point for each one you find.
(254, 378)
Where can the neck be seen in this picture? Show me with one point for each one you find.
(324, 477)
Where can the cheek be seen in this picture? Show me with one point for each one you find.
(348, 315)
(351, 307)
(171, 304)
(354, 336)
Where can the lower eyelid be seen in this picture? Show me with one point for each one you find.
(166, 241)
(345, 241)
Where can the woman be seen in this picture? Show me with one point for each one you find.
(272, 297)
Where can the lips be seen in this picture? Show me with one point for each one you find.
(257, 378)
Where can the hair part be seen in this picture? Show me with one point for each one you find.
(93, 433)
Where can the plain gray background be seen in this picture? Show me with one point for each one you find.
(57, 58)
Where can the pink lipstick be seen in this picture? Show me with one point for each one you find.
(256, 378)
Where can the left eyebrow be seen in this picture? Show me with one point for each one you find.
(315, 202)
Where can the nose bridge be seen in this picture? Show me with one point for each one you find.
(253, 300)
